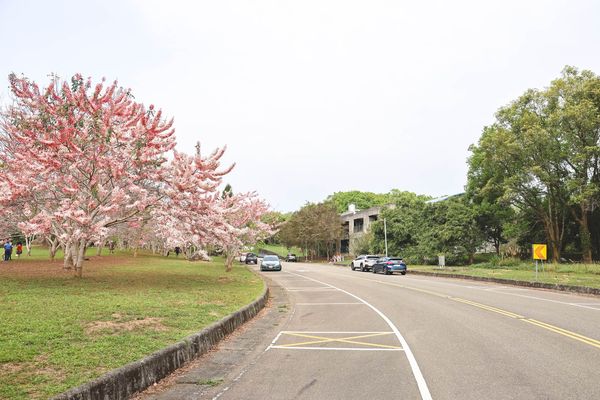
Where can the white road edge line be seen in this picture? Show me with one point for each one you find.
(326, 332)
(422, 385)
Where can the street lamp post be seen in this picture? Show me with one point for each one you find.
(385, 236)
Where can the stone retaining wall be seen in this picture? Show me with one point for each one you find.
(123, 382)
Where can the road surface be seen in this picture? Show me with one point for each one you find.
(341, 334)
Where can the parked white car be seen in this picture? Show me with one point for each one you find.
(364, 262)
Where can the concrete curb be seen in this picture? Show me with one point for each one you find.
(538, 285)
(123, 382)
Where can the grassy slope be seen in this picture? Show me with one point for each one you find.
(281, 251)
(57, 331)
(565, 274)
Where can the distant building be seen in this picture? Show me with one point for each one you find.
(356, 223)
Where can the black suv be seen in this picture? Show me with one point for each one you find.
(251, 258)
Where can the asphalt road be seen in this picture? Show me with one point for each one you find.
(357, 335)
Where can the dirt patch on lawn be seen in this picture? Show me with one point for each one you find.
(25, 267)
(115, 327)
(40, 366)
(10, 368)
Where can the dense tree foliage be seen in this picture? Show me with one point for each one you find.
(315, 228)
(541, 157)
(361, 200)
(420, 230)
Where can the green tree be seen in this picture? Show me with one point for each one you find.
(455, 228)
(543, 154)
(227, 191)
(573, 102)
(520, 157)
(315, 227)
(362, 200)
(492, 211)
(403, 223)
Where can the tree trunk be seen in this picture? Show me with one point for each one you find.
(553, 233)
(53, 250)
(497, 240)
(79, 258)
(53, 244)
(229, 261)
(99, 251)
(471, 258)
(74, 252)
(584, 233)
(68, 260)
(28, 239)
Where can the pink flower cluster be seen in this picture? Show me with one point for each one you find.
(81, 161)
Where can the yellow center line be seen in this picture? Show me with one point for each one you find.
(564, 332)
(486, 307)
(552, 328)
(342, 340)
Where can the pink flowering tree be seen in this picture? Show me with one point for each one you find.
(87, 157)
(190, 215)
(242, 224)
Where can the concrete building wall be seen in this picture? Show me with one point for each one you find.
(356, 223)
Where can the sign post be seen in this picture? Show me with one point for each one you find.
(540, 252)
(441, 261)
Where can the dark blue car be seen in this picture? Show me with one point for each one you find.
(389, 265)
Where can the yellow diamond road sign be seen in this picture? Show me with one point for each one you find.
(539, 252)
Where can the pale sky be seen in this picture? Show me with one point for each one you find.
(313, 97)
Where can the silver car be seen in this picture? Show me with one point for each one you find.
(270, 263)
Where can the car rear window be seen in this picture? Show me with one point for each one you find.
(373, 257)
(270, 258)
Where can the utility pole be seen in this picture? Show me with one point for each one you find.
(385, 236)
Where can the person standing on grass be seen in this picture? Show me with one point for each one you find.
(19, 249)
(7, 250)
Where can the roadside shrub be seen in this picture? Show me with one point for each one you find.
(501, 262)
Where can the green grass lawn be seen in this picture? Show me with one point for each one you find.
(564, 274)
(280, 250)
(57, 331)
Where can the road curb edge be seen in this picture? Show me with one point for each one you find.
(123, 382)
